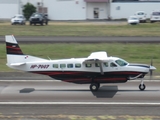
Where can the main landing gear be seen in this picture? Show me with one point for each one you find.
(142, 86)
(94, 86)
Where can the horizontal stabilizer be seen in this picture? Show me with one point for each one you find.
(17, 64)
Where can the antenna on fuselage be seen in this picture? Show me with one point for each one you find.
(49, 58)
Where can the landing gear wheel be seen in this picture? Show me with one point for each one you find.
(142, 87)
(94, 87)
(98, 85)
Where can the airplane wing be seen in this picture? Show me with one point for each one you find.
(97, 57)
(92, 61)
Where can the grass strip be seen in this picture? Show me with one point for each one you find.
(81, 29)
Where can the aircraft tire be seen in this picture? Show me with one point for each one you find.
(94, 86)
(98, 85)
(142, 87)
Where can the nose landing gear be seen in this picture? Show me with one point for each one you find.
(142, 86)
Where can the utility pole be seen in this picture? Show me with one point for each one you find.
(18, 4)
(109, 9)
(42, 5)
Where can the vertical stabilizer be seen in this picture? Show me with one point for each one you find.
(15, 56)
(12, 46)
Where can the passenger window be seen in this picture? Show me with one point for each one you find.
(105, 64)
(113, 65)
(69, 65)
(62, 65)
(55, 65)
(77, 65)
(97, 64)
(88, 65)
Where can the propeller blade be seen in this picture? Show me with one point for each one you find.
(150, 70)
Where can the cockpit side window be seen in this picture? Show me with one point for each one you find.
(121, 62)
(113, 65)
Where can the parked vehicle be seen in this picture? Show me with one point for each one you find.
(155, 16)
(142, 16)
(18, 19)
(38, 18)
(133, 20)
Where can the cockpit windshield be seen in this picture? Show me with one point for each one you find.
(121, 62)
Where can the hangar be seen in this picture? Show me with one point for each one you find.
(8, 8)
(81, 9)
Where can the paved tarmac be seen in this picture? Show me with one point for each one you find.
(55, 91)
(54, 100)
(51, 39)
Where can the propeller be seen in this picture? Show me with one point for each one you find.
(151, 74)
(151, 68)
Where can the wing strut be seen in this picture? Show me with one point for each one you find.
(100, 62)
(101, 69)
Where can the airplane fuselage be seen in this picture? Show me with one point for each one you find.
(95, 69)
(76, 71)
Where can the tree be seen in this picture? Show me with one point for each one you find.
(28, 9)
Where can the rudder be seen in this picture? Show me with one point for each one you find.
(12, 46)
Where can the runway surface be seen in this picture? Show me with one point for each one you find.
(60, 100)
(53, 39)
(51, 91)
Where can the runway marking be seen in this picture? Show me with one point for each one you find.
(77, 103)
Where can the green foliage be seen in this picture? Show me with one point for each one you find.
(28, 10)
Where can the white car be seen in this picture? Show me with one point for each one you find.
(155, 16)
(133, 20)
(141, 15)
(18, 19)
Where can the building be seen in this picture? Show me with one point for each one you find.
(81, 9)
(8, 8)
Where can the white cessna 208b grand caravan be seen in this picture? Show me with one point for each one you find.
(97, 68)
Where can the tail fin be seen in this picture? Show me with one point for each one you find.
(15, 56)
(12, 46)
(14, 52)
